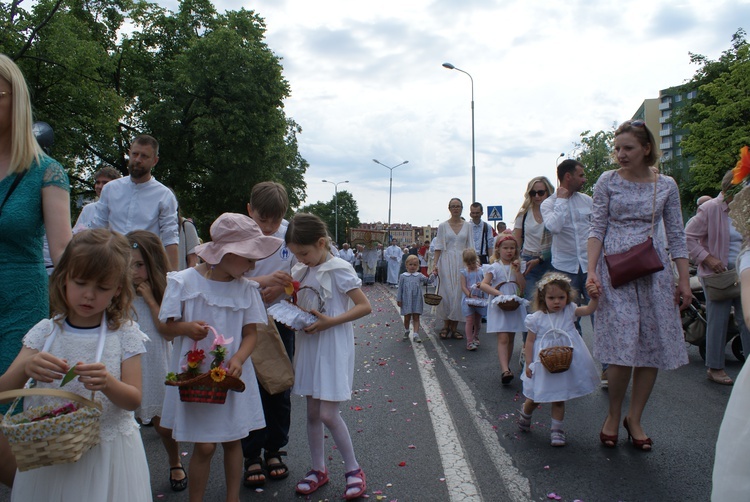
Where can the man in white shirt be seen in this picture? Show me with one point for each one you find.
(393, 255)
(567, 216)
(139, 202)
(481, 233)
(346, 253)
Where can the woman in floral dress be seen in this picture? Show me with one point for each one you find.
(638, 329)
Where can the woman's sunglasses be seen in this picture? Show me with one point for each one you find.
(540, 193)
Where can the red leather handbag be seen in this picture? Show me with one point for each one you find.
(638, 261)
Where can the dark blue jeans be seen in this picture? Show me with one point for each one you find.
(277, 410)
(578, 282)
(531, 279)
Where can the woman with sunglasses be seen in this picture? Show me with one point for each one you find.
(637, 329)
(535, 240)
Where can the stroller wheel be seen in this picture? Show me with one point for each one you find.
(737, 350)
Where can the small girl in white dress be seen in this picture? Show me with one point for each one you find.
(90, 296)
(149, 273)
(324, 353)
(552, 324)
(216, 294)
(504, 278)
(471, 278)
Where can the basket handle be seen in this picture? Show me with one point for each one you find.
(437, 284)
(557, 332)
(212, 329)
(18, 393)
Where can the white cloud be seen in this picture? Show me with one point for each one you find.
(367, 82)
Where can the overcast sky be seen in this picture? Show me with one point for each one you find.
(367, 82)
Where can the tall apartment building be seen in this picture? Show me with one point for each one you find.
(657, 113)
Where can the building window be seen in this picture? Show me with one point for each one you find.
(692, 94)
(677, 98)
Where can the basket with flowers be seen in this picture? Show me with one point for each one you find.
(211, 386)
(289, 312)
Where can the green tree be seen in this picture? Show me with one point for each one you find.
(718, 118)
(348, 214)
(206, 85)
(595, 153)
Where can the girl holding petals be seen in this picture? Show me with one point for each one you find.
(216, 294)
(324, 355)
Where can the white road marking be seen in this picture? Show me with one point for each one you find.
(459, 477)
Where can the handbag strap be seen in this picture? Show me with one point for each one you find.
(13, 186)
(653, 206)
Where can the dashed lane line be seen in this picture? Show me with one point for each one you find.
(460, 480)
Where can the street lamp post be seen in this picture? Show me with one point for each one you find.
(390, 190)
(473, 166)
(336, 202)
(557, 160)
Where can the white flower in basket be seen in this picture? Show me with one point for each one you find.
(292, 313)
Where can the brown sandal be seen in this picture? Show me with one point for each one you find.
(443, 333)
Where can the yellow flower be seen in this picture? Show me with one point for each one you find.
(193, 364)
(218, 374)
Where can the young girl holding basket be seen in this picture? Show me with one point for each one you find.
(215, 294)
(503, 280)
(92, 333)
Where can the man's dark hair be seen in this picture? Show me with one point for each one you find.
(567, 166)
(145, 139)
(479, 205)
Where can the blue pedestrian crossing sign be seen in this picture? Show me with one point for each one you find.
(495, 213)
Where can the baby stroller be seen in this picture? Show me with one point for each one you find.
(694, 323)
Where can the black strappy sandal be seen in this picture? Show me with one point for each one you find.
(258, 471)
(278, 466)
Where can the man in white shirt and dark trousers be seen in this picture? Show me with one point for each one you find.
(139, 202)
(482, 234)
(567, 216)
(346, 253)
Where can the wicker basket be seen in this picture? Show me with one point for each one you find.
(510, 305)
(433, 298)
(56, 440)
(204, 389)
(294, 316)
(556, 358)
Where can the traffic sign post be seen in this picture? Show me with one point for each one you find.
(494, 213)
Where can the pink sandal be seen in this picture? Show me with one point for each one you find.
(321, 478)
(361, 484)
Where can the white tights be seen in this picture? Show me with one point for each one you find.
(320, 413)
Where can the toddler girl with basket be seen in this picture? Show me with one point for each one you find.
(552, 345)
(474, 300)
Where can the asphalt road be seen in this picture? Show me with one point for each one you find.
(431, 422)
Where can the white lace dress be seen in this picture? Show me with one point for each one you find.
(115, 470)
(227, 306)
(154, 364)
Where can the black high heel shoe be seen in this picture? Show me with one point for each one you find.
(638, 444)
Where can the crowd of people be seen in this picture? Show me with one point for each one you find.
(132, 257)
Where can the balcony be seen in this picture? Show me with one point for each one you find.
(665, 105)
(667, 131)
(666, 145)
